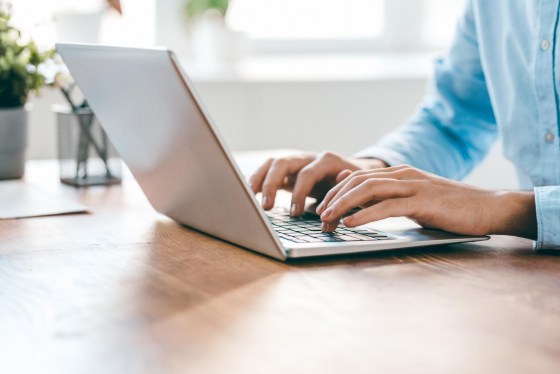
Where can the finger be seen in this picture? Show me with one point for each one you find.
(345, 178)
(355, 181)
(256, 180)
(343, 187)
(329, 227)
(343, 175)
(273, 181)
(306, 179)
(400, 207)
(333, 191)
(372, 189)
(400, 172)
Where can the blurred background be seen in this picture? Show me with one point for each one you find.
(305, 74)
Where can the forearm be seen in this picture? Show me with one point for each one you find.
(427, 144)
(514, 213)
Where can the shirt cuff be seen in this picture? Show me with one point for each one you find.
(547, 202)
(387, 155)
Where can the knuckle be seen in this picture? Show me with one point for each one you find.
(339, 203)
(307, 156)
(416, 170)
(305, 172)
(269, 163)
(279, 162)
(355, 174)
(371, 182)
(328, 155)
(410, 171)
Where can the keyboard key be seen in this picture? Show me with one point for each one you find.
(333, 239)
(359, 236)
(282, 238)
(348, 238)
(327, 235)
(293, 240)
(376, 235)
(313, 240)
(307, 229)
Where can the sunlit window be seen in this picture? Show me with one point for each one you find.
(136, 26)
(342, 24)
(307, 19)
(439, 21)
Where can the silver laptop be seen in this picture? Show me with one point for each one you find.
(148, 107)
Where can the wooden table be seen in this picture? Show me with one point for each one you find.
(125, 290)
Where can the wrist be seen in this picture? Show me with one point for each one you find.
(514, 213)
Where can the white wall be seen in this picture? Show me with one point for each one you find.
(343, 116)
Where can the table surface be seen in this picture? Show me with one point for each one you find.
(124, 289)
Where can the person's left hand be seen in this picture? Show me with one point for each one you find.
(430, 200)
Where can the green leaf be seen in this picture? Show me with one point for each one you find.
(199, 7)
(19, 73)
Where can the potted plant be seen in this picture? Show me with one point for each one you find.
(212, 41)
(199, 7)
(19, 76)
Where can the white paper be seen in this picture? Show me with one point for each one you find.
(19, 200)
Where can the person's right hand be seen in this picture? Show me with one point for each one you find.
(308, 174)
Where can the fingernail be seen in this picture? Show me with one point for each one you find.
(251, 186)
(327, 213)
(293, 209)
(348, 220)
(324, 227)
(265, 201)
(320, 208)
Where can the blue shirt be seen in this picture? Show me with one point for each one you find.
(499, 79)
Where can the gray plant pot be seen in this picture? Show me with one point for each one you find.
(13, 141)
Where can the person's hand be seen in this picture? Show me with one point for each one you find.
(307, 174)
(431, 201)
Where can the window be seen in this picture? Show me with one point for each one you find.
(439, 21)
(349, 25)
(307, 19)
(272, 26)
(136, 26)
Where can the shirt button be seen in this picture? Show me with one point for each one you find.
(545, 45)
(549, 137)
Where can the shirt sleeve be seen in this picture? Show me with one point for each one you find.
(547, 201)
(454, 127)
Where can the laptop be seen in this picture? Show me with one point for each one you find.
(150, 110)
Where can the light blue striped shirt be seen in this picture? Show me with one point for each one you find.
(500, 78)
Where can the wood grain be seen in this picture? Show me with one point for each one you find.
(125, 290)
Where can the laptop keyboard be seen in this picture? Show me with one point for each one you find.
(307, 229)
